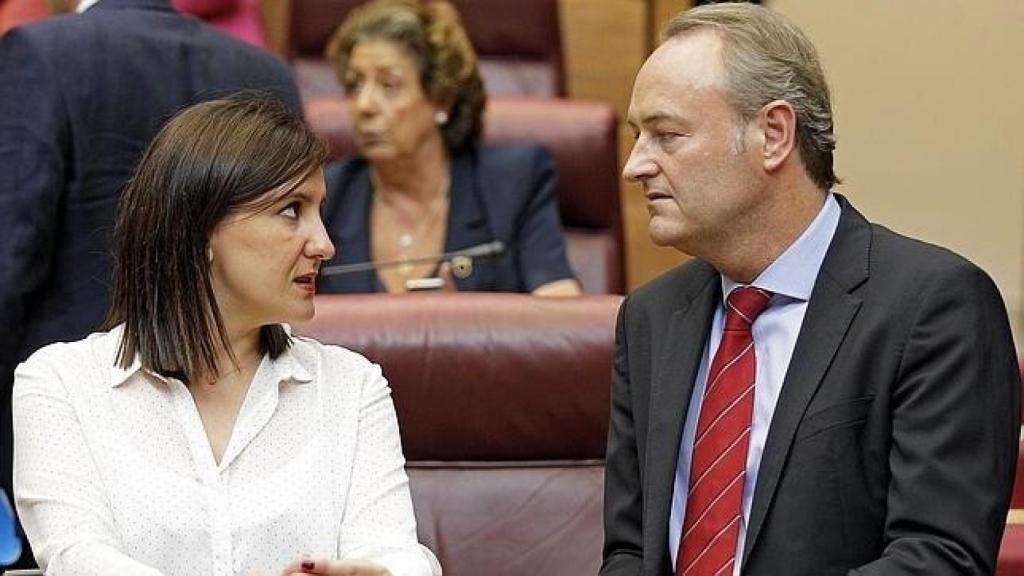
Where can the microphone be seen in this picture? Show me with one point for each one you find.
(460, 259)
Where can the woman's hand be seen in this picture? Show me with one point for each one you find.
(310, 567)
(557, 288)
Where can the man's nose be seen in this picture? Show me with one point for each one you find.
(639, 165)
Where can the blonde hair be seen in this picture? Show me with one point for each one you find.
(433, 35)
(767, 58)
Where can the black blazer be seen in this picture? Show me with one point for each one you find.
(506, 193)
(80, 98)
(893, 445)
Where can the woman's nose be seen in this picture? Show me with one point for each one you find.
(320, 245)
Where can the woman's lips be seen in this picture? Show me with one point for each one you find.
(370, 137)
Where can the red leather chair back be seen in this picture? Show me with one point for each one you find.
(17, 12)
(518, 44)
(242, 19)
(582, 137)
(1017, 499)
(502, 401)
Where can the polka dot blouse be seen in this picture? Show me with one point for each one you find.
(114, 473)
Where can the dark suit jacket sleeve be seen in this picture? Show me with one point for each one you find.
(33, 137)
(289, 92)
(623, 504)
(540, 242)
(955, 426)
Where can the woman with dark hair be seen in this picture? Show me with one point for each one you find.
(422, 184)
(196, 435)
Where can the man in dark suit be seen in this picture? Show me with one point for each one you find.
(80, 98)
(813, 394)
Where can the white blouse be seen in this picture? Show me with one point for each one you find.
(114, 473)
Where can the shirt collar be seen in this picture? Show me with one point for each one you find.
(291, 365)
(287, 366)
(794, 272)
(105, 347)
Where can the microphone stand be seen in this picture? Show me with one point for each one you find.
(479, 251)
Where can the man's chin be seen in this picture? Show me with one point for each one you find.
(664, 237)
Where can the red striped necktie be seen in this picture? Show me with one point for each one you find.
(707, 546)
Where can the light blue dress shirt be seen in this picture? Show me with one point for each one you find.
(791, 278)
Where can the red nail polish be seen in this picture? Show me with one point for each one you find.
(308, 565)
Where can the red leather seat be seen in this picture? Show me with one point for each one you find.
(582, 137)
(242, 19)
(502, 401)
(17, 12)
(1011, 552)
(518, 44)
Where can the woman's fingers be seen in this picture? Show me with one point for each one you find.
(312, 567)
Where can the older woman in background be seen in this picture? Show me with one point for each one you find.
(197, 435)
(422, 183)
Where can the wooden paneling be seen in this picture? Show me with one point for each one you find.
(662, 11)
(276, 15)
(605, 42)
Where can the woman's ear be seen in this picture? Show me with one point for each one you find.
(442, 111)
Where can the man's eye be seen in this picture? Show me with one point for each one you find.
(668, 137)
(291, 210)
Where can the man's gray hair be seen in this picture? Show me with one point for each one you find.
(767, 58)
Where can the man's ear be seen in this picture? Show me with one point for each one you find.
(777, 120)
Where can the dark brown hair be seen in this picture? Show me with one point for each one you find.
(210, 160)
(432, 34)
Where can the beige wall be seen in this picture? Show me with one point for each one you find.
(929, 103)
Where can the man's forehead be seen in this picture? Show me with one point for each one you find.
(693, 59)
(680, 69)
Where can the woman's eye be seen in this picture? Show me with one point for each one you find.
(352, 85)
(291, 210)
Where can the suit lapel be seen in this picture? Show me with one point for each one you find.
(467, 221)
(671, 389)
(830, 312)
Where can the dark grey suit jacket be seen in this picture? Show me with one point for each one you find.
(893, 445)
(80, 98)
